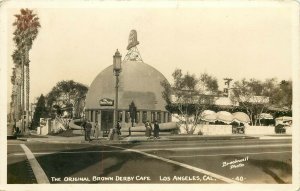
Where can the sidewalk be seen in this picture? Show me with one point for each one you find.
(138, 139)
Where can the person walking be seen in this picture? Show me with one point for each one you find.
(156, 130)
(118, 128)
(148, 129)
(88, 128)
(97, 130)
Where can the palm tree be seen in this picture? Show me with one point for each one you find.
(27, 25)
(17, 82)
(13, 96)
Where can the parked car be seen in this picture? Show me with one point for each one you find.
(280, 128)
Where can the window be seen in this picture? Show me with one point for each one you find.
(137, 118)
(120, 115)
(96, 116)
(163, 117)
(158, 117)
(127, 117)
(152, 116)
(144, 116)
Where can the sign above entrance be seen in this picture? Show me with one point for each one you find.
(106, 102)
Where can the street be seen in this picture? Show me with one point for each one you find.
(182, 161)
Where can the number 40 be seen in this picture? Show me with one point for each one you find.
(239, 178)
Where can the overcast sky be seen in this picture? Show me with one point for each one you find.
(224, 41)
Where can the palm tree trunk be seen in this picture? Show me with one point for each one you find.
(27, 96)
(16, 106)
(27, 86)
(17, 109)
(20, 101)
(22, 93)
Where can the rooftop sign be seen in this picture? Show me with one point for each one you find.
(132, 41)
(106, 102)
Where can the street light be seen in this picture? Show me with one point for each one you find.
(117, 60)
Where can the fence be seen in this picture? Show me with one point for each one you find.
(260, 130)
(208, 129)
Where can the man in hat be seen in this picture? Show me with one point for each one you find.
(88, 128)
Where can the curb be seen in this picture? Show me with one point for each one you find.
(133, 140)
(272, 137)
(53, 141)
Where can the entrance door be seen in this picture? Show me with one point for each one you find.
(106, 121)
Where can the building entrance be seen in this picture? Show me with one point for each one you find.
(106, 121)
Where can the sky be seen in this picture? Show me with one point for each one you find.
(224, 41)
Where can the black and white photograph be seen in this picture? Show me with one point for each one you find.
(164, 95)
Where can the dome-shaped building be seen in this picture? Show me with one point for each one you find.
(139, 83)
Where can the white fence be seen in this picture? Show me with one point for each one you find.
(260, 130)
(216, 129)
(227, 130)
(162, 126)
(208, 129)
(288, 130)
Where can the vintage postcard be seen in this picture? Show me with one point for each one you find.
(152, 95)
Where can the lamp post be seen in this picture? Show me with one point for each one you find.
(117, 60)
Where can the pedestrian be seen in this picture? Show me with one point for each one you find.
(15, 130)
(148, 129)
(88, 128)
(118, 128)
(156, 130)
(96, 134)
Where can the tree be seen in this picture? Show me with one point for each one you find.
(208, 83)
(188, 96)
(68, 95)
(40, 111)
(282, 97)
(16, 89)
(253, 96)
(27, 25)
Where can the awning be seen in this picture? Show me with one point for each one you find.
(225, 117)
(284, 118)
(208, 115)
(241, 117)
(265, 116)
